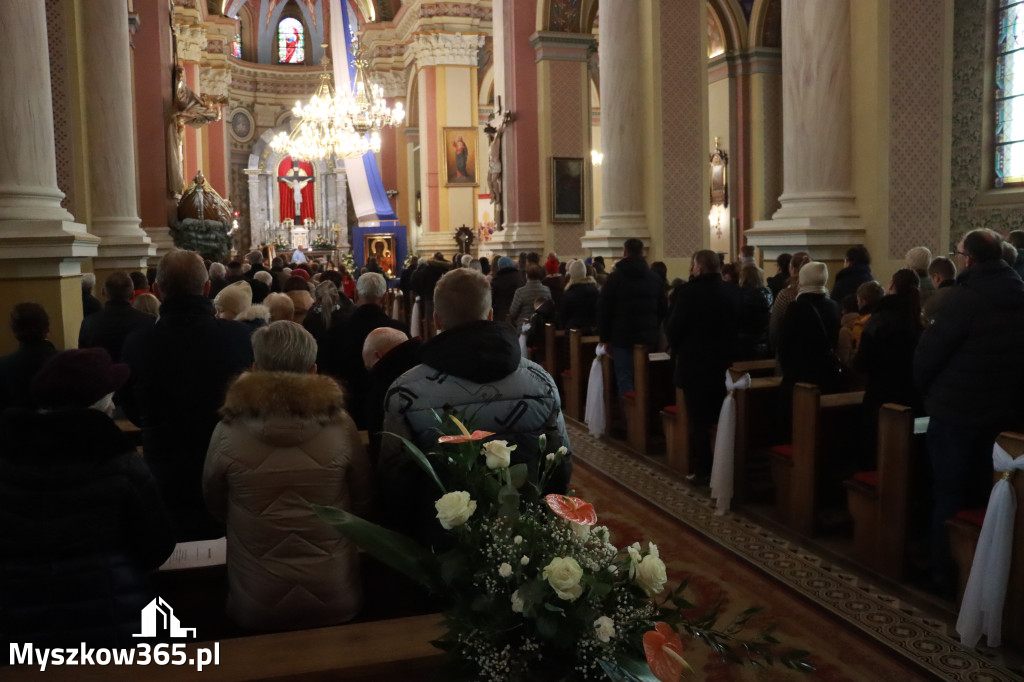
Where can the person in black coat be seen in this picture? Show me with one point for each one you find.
(344, 353)
(702, 330)
(857, 270)
(885, 356)
(630, 311)
(810, 329)
(82, 519)
(111, 326)
(259, 289)
(181, 368)
(755, 311)
(90, 304)
(578, 308)
(504, 283)
(30, 325)
(778, 281)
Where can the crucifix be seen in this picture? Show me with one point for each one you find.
(495, 129)
(297, 179)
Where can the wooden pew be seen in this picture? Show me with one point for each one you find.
(554, 350)
(652, 389)
(676, 427)
(397, 649)
(755, 368)
(880, 501)
(582, 350)
(757, 429)
(964, 529)
(822, 426)
(615, 424)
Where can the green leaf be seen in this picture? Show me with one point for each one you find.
(627, 669)
(518, 474)
(552, 607)
(393, 549)
(419, 458)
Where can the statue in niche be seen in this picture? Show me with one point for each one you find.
(495, 129)
(190, 109)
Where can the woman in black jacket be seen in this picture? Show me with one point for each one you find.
(807, 338)
(755, 311)
(578, 307)
(82, 519)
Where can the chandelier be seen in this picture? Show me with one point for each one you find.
(346, 125)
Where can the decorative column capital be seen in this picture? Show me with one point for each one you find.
(393, 82)
(191, 42)
(215, 81)
(565, 47)
(445, 49)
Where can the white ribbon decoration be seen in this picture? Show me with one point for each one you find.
(522, 338)
(594, 415)
(417, 318)
(396, 306)
(725, 445)
(981, 612)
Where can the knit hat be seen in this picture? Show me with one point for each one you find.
(551, 266)
(813, 276)
(77, 378)
(577, 270)
(505, 262)
(234, 298)
(300, 272)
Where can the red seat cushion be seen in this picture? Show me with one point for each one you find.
(671, 409)
(629, 394)
(784, 450)
(566, 373)
(867, 478)
(975, 517)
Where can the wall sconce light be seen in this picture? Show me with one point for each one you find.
(596, 157)
(716, 218)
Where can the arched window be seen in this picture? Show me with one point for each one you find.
(291, 41)
(1009, 95)
(236, 46)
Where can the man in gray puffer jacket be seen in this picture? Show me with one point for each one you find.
(475, 369)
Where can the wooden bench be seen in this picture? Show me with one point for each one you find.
(880, 501)
(652, 388)
(555, 352)
(755, 368)
(823, 427)
(964, 529)
(676, 427)
(582, 350)
(758, 428)
(397, 649)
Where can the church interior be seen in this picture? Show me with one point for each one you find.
(547, 126)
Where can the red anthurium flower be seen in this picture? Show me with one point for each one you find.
(573, 509)
(465, 436)
(664, 652)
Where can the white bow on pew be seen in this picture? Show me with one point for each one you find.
(981, 612)
(594, 415)
(417, 318)
(522, 338)
(725, 445)
(396, 307)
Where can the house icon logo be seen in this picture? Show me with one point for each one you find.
(159, 616)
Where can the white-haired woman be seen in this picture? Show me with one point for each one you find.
(284, 443)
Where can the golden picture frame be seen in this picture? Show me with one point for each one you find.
(459, 148)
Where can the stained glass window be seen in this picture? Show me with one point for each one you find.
(236, 46)
(291, 42)
(1009, 94)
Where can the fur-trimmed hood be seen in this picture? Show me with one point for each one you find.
(257, 311)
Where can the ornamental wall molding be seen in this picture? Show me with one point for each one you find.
(249, 79)
(394, 82)
(385, 41)
(215, 81)
(191, 41)
(445, 49)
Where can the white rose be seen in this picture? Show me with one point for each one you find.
(650, 575)
(634, 558)
(505, 570)
(498, 454)
(563, 451)
(582, 531)
(604, 628)
(525, 560)
(518, 539)
(564, 574)
(550, 457)
(517, 603)
(454, 509)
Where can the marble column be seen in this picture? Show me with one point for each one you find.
(107, 90)
(818, 212)
(41, 247)
(622, 106)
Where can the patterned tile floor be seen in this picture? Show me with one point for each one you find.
(927, 639)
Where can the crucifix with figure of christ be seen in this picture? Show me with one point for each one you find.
(297, 179)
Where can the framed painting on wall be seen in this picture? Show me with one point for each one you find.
(567, 189)
(458, 156)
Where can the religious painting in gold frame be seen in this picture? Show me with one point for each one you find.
(719, 187)
(567, 189)
(381, 247)
(459, 156)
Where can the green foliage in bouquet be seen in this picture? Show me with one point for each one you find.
(349, 262)
(321, 244)
(537, 590)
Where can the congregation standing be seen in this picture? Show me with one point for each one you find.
(250, 386)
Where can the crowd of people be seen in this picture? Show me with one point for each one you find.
(250, 386)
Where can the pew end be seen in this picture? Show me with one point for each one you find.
(582, 351)
(757, 429)
(652, 389)
(675, 426)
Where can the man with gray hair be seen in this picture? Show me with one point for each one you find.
(90, 304)
(472, 369)
(111, 326)
(260, 287)
(344, 352)
(180, 369)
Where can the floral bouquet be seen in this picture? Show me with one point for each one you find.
(349, 263)
(537, 590)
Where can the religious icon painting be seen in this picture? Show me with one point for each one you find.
(459, 155)
(567, 190)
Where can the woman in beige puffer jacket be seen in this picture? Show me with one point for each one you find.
(284, 443)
